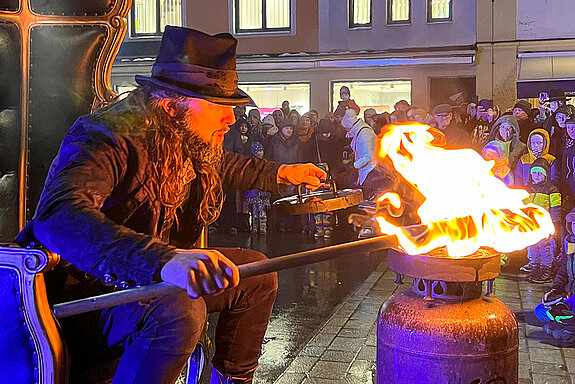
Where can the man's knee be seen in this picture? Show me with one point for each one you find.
(179, 321)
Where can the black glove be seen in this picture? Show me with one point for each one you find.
(552, 297)
(561, 313)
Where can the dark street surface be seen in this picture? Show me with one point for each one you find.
(307, 295)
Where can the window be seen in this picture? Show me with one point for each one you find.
(439, 10)
(398, 11)
(380, 95)
(149, 17)
(359, 13)
(270, 96)
(262, 15)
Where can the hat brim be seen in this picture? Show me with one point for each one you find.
(239, 98)
(549, 99)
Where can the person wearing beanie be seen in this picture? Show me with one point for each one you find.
(363, 144)
(537, 147)
(257, 202)
(455, 136)
(542, 192)
(522, 112)
(345, 103)
(506, 130)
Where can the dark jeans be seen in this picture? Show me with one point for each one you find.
(159, 336)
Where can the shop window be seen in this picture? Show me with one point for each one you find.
(380, 95)
(269, 97)
(359, 13)
(398, 11)
(439, 10)
(150, 17)
(262, 15)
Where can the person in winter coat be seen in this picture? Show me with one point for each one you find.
(256, 126)
(567, 168)
(506, 130)
(257, 202)
(537, 147)
(304, 133)
(345, 103)
(363, 144)
(496, 151)
(557, 308)
(555, 126)
(543, 192)
(522, 112)
(284, 150)
(328, 154)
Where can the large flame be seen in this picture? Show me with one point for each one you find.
(463, 206)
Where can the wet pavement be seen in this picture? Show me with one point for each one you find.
(307, 296)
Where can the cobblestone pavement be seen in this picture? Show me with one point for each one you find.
(344, 349)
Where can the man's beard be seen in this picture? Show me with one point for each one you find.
(201, 152)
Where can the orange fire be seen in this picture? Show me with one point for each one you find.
(463, 206)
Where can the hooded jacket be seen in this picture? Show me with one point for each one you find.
(515, 148)
(545, 194)
(362, 142)
(565, 278)
(524, 164)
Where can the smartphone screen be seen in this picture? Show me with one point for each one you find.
(543, 96)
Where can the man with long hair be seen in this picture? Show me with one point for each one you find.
(125, 200)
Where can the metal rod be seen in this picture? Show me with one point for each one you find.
(489, 288)
(246, 270)
(428, 290)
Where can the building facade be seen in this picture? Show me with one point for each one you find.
(424, 51)
(525, 47)
(384, 51)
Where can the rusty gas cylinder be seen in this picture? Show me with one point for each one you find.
(457, 336)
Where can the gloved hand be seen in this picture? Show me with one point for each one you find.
(552, 297)
(200, 272)
(561, 313)
(296, 174)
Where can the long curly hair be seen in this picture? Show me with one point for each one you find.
(177, 154)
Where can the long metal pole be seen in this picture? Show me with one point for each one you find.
(246, 270)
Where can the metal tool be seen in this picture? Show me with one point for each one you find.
(319, 201)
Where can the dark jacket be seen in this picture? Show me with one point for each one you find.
(282, 150)
(100, 212)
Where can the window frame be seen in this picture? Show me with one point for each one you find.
(158, 35)
(264, 29)
(390, 13)
(437, 20)
(351, 23)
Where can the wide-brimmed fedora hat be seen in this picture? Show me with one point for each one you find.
(194, 64)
